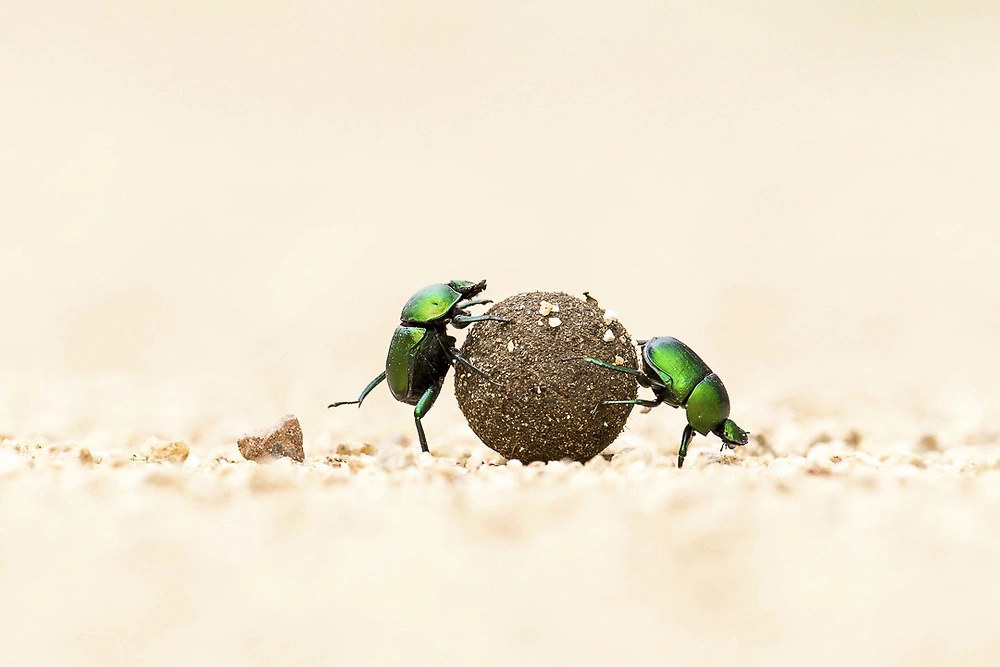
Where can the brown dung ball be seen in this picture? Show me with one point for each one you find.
(536, 406)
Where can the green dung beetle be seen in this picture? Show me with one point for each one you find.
(421, 351)
(679, 378)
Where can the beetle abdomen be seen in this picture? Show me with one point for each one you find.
(708, 405)
(416, 360)
(397, 362)
(677, 364)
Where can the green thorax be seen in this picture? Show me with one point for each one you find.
(431, 303)
(676, 364)
(708, 405)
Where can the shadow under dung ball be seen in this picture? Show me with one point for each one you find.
(536, 406)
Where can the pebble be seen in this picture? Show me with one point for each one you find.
(175, 451)
(86, 458)
(282, 439)
(610, 316)
(609, 336)
(554, 322)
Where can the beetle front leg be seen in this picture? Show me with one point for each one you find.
(462, 321)
(367, 390)
(423, 406)
(475, 302)
(685, 439)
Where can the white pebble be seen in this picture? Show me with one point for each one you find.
(619, 360)
(555, 308)
(554, 321)
(544, 308)
(610, 316)
(609, 336)
(510, 346)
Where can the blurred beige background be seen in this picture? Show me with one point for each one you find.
(241, 196)
(213, 212)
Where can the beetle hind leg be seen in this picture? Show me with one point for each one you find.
(457, 358)
(640, 377)
(364, 392)
(646, 403)
(423, 406)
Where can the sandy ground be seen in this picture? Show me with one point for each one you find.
(816, 548)
(211, 214)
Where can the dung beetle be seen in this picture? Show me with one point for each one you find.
(679, 378)
(421, 351)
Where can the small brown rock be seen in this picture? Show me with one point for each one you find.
(175, 451)
(86, 458)
(928, 443)
(282, 439)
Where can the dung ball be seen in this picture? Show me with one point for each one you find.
(537, 404)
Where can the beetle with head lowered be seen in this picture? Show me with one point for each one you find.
(421, 351)
(679, 378)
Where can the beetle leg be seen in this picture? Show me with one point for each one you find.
(613, 367)
(473, 302)
(423, 406)
(685, 439)
(646, 403)
(457, 357)
(462, 321)
(367, 390)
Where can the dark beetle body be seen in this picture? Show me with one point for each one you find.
(421, 351)
(678, 377)
(417, 360)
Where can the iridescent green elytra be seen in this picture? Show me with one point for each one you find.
(421, 351)
(679, 378)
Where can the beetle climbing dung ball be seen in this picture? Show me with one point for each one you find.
(535, 405)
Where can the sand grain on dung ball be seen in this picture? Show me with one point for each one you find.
(536, 405)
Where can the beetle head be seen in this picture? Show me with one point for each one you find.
(467, 288)
(732, 434)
